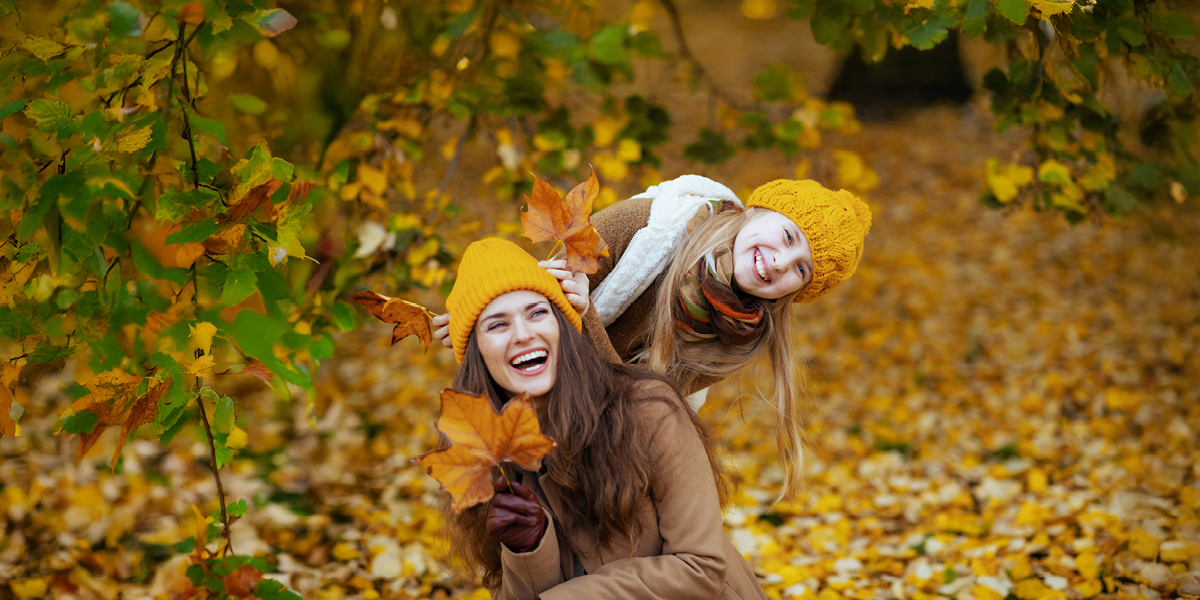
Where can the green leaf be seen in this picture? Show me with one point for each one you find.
(1016, 11)
(926, 35)
(51, 114)
(149, 266)
(238, 286)
(212, 127)
(223, 415)
(1130, 30)
(123, 20)
(773, 84)
(84, 421)
(1177, 81)
(800, 10)
(248, 103)
(11, 108)
(975, 18)
(237, 509)
(269, 589)
(1174, 25)
(607, 46)
(831, 29)
(13, 324)
(712, 148)
(194, 232)
(48, 354)
(173, 206)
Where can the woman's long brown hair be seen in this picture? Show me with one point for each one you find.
(602, 463)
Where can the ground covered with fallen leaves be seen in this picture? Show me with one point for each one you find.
(1003, 405)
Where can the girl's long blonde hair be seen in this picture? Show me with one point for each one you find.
(685, 363)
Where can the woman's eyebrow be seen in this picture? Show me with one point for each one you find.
(495, 315)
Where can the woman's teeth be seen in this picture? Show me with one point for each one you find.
(534, 359)
(761, 268)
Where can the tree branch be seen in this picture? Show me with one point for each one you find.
(212, 446)
(702, 73)
(451, 167)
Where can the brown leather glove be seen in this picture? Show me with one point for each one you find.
(515, 519)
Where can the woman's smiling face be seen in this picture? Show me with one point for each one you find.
(517, 334)
(771, 256)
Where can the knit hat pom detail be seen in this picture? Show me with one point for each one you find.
(489, 269)
(835, 224)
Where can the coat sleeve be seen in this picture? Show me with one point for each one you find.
(527, 574)
(616, 225)
(692, 563)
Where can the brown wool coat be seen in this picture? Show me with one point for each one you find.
(682, 551)
(625, 337)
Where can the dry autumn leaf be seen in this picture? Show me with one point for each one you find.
(144, 410)
(109, 401)
(568, 220)
(410, 318)
(258, 196)
(241, 582)
(481, 439)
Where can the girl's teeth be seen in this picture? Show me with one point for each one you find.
(758, 266)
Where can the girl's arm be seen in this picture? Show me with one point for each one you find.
(693, 559)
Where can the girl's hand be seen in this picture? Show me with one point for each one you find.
(515, 519)
(442, 333)
(574, 285)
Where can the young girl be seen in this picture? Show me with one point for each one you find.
(697, 288)
(629, 504)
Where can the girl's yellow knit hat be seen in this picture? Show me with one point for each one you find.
(835, 224)
(489, 269)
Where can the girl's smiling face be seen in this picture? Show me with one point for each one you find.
(771, 256)
(517, 335)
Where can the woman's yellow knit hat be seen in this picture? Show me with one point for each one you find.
(489, 269)
(835, 224)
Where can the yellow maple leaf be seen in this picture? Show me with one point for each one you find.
(480, 439)
(42, 48)
(1049, 8)
(134, 140)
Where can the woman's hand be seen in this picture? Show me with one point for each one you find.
(574, 285)
(515, 519)
(442, 333)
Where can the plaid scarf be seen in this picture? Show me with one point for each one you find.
(709, 308)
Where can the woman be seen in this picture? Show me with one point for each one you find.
(707, 286)
(629, 504)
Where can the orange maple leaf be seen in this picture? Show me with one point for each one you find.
(109, 400)
(480, 439)
(410, 318)
(240, 583)
(568, 220)
(143, 410)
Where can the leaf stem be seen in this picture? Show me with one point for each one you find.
(451, 167)
(212, 446)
